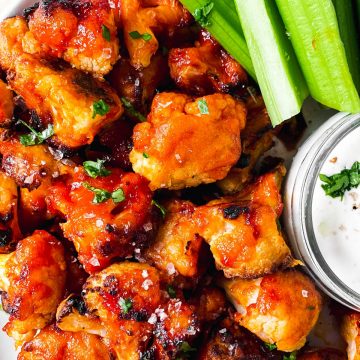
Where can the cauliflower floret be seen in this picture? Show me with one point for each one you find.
(77, 105)
(83, 33)
(144, 18)
(53, 344)
(280, 309)
(6, 104)
(102, 228)
(10, 232)
(351, 333)
(185, 143)
(243, 231)
(32, 280)
(205, 68)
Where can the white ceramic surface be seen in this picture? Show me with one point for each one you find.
(325, 333)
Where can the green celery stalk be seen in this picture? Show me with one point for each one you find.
(345, 12)
(314, 32)
(224, 26)
(281, 81)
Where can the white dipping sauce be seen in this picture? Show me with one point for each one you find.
(336, 222)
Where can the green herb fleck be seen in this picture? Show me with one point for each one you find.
(201, 15)
(291, 356)
(96, 168)
(105, 32)
(203, 107)
(185, 348)
(130, 109)
(118, 196)
(100, 108)
(171, 291)
(125, 304)
(35, 138)
(136, 35)
(160, 207)
(102, 195)
(145, 155)
(336, 185)
(270, 347)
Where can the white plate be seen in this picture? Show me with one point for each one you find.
(325, 333)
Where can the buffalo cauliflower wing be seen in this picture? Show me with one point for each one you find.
(10, 231)
(185, 143)
(32, 281)
(6, 104)
(351, 333)
(82, 32)
(103, 215)
(280, 309)
(243, 231)
(75, 104)
(205, 68)
(54, 344)
(140, 19)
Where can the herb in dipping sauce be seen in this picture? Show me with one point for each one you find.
(336, 185)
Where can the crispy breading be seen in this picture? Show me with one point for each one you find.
(10, 231)
(150, 18)
(280, 309)
(81, 32)
(177, 246)
(188, 142)
(243, 231)
(54, 344)
(6, 104)
(32, 279)
(350, 331)
(205, 68)
(64, 97)
(106, 230)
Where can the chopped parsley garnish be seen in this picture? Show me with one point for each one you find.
(160, 207)
(35, 138)
(291, 356)
(136, 35)
(100, 108)
(201, 15)
(171, 291)
(125, 304)
(105, 32)
(130, 109)
(336, 185)
(203, 107)
(96, 168)
(102, 195)
(185, 348)
(145, 155)
(270, 347)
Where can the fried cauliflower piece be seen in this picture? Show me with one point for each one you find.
(32, 280)
(82, 32)
(177, 246)
(322, 354)
(77, 105)
(10, 231)
(243, 231)
(146, 18)
(103, 229)
(228, 341)
(280, 309)
(350, 331)
(54, 344)
(205, 68)
(188, 142)
(6, 105)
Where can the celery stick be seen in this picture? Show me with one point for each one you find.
(314, 32)
(224, 26)
(345, 13)
(279, 76)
